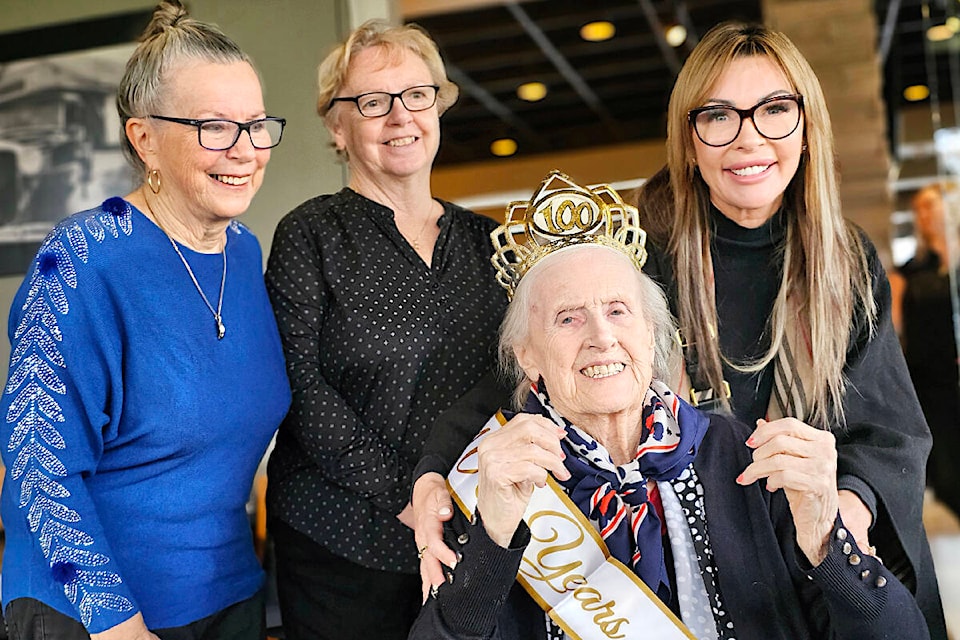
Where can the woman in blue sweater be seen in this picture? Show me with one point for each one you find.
(146, 377)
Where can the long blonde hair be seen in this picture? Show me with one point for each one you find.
(825, 274)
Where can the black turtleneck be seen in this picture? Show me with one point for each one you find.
(747, 271)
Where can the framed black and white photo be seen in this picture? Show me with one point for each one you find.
(60, 136)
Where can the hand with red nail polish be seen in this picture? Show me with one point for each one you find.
(801, 460)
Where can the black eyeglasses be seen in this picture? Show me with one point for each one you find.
(774, 118)
(379, 103)
(220, 135)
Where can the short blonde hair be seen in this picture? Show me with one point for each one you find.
(332, 73)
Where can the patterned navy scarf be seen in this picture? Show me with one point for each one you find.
(615, 498)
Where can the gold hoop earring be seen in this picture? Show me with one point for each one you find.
(153, 180)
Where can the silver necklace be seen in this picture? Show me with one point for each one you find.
(221, 330)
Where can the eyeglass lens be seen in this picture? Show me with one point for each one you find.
(218, 135)
(414, 99)
(720, 125)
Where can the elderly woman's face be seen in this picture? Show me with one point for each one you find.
(210, 184)
(747, 177)
(588, 337)
(400, 144)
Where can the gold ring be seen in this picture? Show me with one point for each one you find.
(421, 551)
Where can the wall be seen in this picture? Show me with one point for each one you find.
(287, 39)
(838, 38)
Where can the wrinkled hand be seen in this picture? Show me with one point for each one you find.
(802, 461)
(130, 629)
(512, 461)
(857, 519)
(432, 507)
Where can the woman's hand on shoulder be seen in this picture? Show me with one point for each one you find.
(512, 461)
(130, 629)
(801, 460)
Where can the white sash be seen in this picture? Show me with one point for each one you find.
(567, 568)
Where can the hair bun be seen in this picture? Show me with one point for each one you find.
(166, 16)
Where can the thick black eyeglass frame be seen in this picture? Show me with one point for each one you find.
(744, 114)
(241, 127)
(393, 96)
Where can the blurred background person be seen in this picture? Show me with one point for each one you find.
(388, 310)
(146, 376)
(923, 312)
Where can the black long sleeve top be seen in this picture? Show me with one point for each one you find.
(377, 345)
(767, 585)
(882, 448)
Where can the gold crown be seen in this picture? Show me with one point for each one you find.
(562, 214)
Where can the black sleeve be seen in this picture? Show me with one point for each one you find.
(885, 443)
(469, 605)
(349, 451)
(453, 429)
(859, 596)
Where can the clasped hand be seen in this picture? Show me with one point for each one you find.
(801, 460)
(788, 453)
(512, 461)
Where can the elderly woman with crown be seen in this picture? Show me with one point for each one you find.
(607, 507)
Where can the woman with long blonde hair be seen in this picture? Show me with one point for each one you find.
(783, 305)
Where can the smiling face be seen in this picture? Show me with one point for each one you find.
(588, 336)
(747, 177)
(212, 185)
(398, 145)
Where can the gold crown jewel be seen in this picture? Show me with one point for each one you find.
(563, 214)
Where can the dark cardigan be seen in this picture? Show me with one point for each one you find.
(883, 447)
(766, 583)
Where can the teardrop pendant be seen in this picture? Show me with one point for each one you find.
(221, 330)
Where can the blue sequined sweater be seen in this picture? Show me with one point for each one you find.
(130, 433)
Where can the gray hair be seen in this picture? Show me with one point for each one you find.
(515, 328)
(171, 39)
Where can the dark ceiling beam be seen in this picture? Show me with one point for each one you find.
(628, 50)
(669, 55)
(683, 16)
(563, 66)
(490, 102)
(889, 28)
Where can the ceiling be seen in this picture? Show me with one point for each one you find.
(617, 91)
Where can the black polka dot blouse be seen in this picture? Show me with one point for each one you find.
(377, 344)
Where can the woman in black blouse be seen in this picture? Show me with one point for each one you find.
(388, 310)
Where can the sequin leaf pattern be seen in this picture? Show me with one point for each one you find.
(37, 389)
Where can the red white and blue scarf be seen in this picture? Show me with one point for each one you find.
(615, 497)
